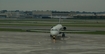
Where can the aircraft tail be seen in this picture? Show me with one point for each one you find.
(60, 20)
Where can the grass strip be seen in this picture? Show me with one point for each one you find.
(69, 25)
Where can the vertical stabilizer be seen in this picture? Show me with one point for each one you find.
(60, 20)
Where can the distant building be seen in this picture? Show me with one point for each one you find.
(11, 14)
(82, 14)
(89, 16)
(3, 15)
(41, 14)
(59, 14)
(51, 14)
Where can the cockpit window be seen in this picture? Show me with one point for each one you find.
(54, 30)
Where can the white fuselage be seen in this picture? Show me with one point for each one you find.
(55, 30)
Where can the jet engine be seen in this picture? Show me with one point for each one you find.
(64, 28)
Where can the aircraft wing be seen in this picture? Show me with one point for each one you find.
(39, 30)
(48, 31)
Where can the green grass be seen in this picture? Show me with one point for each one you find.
(53, 24)
(66, 22)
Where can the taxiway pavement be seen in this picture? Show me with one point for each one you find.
(41, 43)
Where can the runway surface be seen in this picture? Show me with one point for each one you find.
(41, 43)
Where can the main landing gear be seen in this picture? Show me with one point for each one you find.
(63, 34)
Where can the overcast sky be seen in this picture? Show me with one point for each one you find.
(59, 5)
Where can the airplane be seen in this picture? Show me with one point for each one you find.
(56, 30)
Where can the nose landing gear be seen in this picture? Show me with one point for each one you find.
(53, 37)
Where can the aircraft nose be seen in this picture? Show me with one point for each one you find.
(54, 33)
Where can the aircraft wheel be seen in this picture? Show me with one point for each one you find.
(63, 34)
(51, 36)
